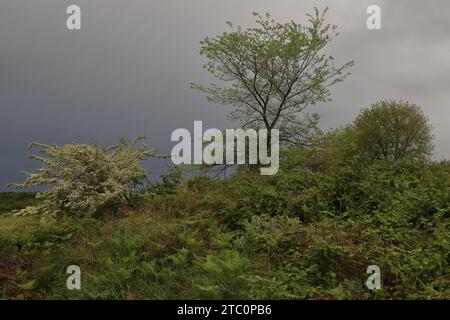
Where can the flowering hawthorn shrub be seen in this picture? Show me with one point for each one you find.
(83, 179)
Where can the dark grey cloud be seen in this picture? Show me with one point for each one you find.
(127, 72)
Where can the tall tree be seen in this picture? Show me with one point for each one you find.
(274, 72)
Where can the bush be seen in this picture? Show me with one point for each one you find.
(84, 180)
(393, 130)
(169, 182)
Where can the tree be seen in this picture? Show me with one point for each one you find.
(393, 130)
(83, 180)
(275, 71)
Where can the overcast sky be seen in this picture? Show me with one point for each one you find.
(127, 72)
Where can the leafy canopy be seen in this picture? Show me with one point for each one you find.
(274, 71)
(393, 130)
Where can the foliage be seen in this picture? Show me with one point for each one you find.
(275, 71)
(368, 194)
(393, 130)
(169, 181)
(11, 201)
(307, 233)
(86, 179)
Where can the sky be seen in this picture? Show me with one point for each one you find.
(127, 71)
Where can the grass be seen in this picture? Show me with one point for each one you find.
(10, 201)
(10, 226)
(299, 235)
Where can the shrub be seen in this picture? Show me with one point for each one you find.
(86, 179)
(393, 130)
(169, 182)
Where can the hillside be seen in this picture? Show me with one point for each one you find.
(308, 232)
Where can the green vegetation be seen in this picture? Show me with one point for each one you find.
(273, 72)
(86, 179)
(366, 194)
(10, 201)
(393, 130)
(308, 232)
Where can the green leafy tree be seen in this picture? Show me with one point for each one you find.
(393, 130)
(274, 72)
(83, 180)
